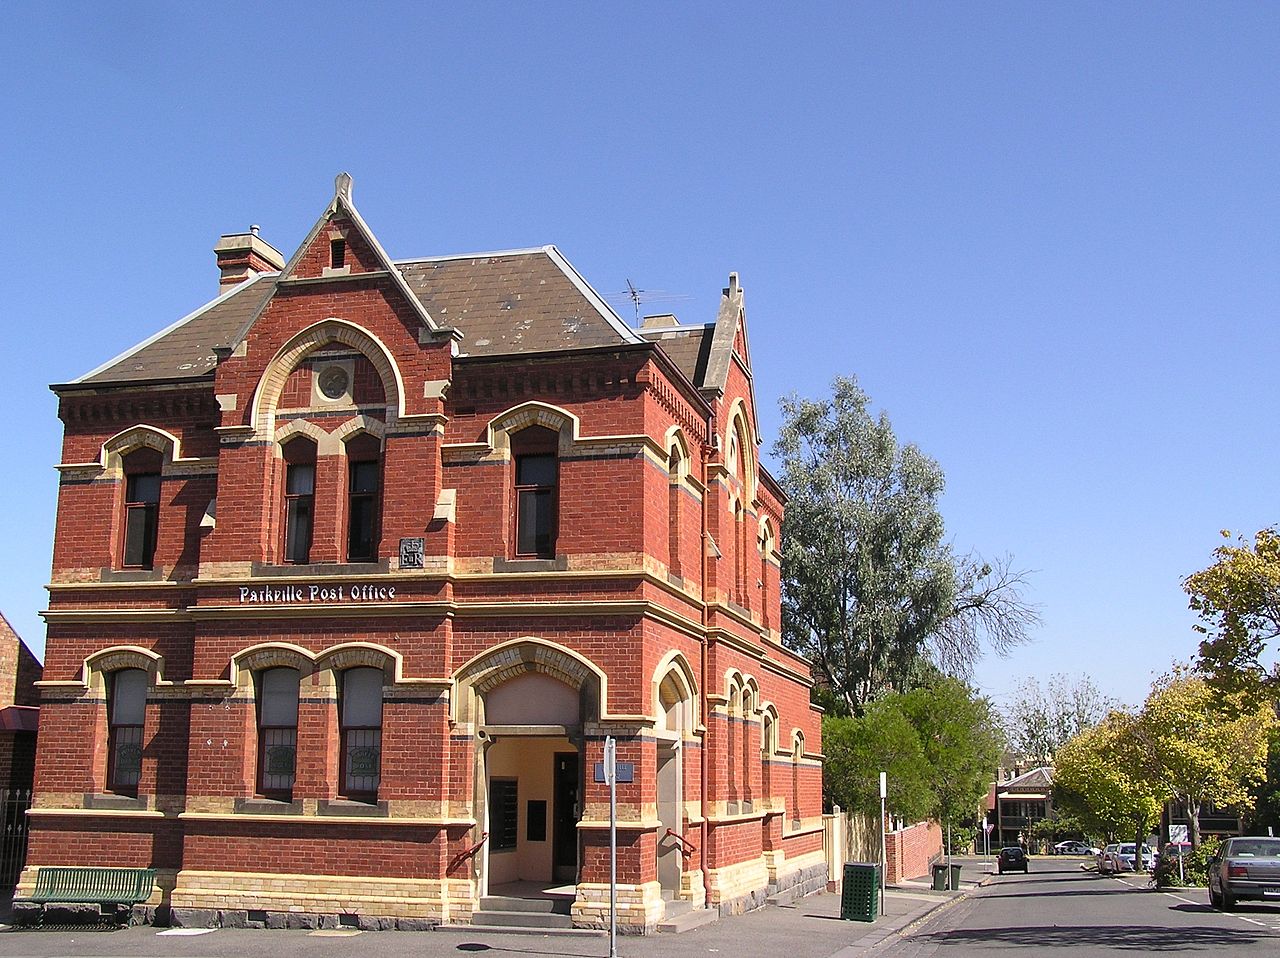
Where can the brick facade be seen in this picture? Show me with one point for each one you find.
(656, 615)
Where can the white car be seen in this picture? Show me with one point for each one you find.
(1121, 858)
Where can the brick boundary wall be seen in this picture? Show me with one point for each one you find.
(910, 851)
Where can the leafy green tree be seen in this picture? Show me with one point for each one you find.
(1100, 778)
(870, 588)
(857, 750)
(961, 740)
(1201, 747)
(1039, 721)
(1238, 601)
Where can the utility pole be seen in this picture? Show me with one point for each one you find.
(884, 855)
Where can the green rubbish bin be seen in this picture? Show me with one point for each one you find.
(860, 894)
(940, 877)
(955, 877)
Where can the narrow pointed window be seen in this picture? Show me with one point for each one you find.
(277, 694)
(360, 709)
(364, 493)
(126, 716)
(141, 508)
(299, 499)
(537, 477)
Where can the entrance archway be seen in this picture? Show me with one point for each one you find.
(529, 703)
(675, 696)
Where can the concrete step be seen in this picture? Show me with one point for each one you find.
(676, 907)
(559, 906)
(524, 930)
(688, 920)
(529, 919)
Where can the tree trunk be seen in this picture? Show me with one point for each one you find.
(1193, 824)
(1138, 864)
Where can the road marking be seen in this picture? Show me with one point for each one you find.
(186, 931)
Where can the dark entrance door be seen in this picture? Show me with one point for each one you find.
(567, 809)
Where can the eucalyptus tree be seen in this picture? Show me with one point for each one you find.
(871, 589)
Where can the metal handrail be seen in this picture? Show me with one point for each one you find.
(683, 841)
(469, 852)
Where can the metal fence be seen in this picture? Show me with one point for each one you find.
(14, 803)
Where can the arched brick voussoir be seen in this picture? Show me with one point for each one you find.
(325, 333)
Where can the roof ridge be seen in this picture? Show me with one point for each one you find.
(522, 251)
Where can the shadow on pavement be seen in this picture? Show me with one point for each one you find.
(476, 946)
(1065, 893)
(1144, 938)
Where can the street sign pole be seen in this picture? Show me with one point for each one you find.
(611, 777)
(884, 857)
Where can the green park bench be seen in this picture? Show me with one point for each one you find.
(56, 884)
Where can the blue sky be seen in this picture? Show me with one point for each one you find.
(1042, 236)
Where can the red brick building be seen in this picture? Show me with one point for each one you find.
(357, 565)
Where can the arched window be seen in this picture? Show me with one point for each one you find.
(364, 494)
(768, 733)
(299, 498)
(732, 723)
(766, 574)
(126, 716)
(277, 695)
(674, 470)
(748, 713)
(797, 753)
(360, 715)
(536, 493)
(141, 507)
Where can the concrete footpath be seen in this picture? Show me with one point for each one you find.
(809, 928)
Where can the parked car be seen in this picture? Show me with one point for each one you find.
(1012, 859)
(1244, 868)
(1071, 848)
(1122, 858)
(1103, 858)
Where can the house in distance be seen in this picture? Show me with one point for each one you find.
(357, 565)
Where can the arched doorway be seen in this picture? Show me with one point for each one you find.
(529, 703)
(675, 721)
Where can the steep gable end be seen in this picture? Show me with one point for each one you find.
(338, 246)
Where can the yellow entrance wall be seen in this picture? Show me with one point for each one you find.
(530, 761)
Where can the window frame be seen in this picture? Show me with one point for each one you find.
(276, 793)
(535, 442)
(132, 733)
(345, 734)
(298, 454)
(139, 465)
(362, 453)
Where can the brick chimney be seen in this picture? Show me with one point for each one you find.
(242, 256)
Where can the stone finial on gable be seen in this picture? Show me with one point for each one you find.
(733, 285)
(342, 186)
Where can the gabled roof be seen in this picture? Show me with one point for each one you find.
(503, 303)
(1037, 780)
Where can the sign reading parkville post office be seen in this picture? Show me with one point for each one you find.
(313, 592)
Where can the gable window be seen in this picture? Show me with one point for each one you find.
(360, 715)
(364, 472)
(277, 695)
(299, 499)
(537, 475)
(141, 507)
(126, 715)
(337, 253)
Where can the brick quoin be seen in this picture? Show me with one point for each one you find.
(654, 611)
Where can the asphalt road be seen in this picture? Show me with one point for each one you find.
(1059, 909)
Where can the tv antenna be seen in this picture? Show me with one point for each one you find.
(639, 296)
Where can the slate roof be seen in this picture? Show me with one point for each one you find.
(504, 303)
(688, 347)
(1037, 780)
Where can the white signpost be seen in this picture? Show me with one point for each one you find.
(884, 857)
(611, 778)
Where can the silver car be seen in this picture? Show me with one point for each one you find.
(1244, 868)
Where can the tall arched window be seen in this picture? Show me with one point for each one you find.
(766, 573)
(364, 494)
(748, 714)
(277, 695)
(141, 507)
(536, 493)
(768, 733)
(797, 753)
(674, 470)
(126, 716)
(360, 715)
(299, 498)
(732, 738)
